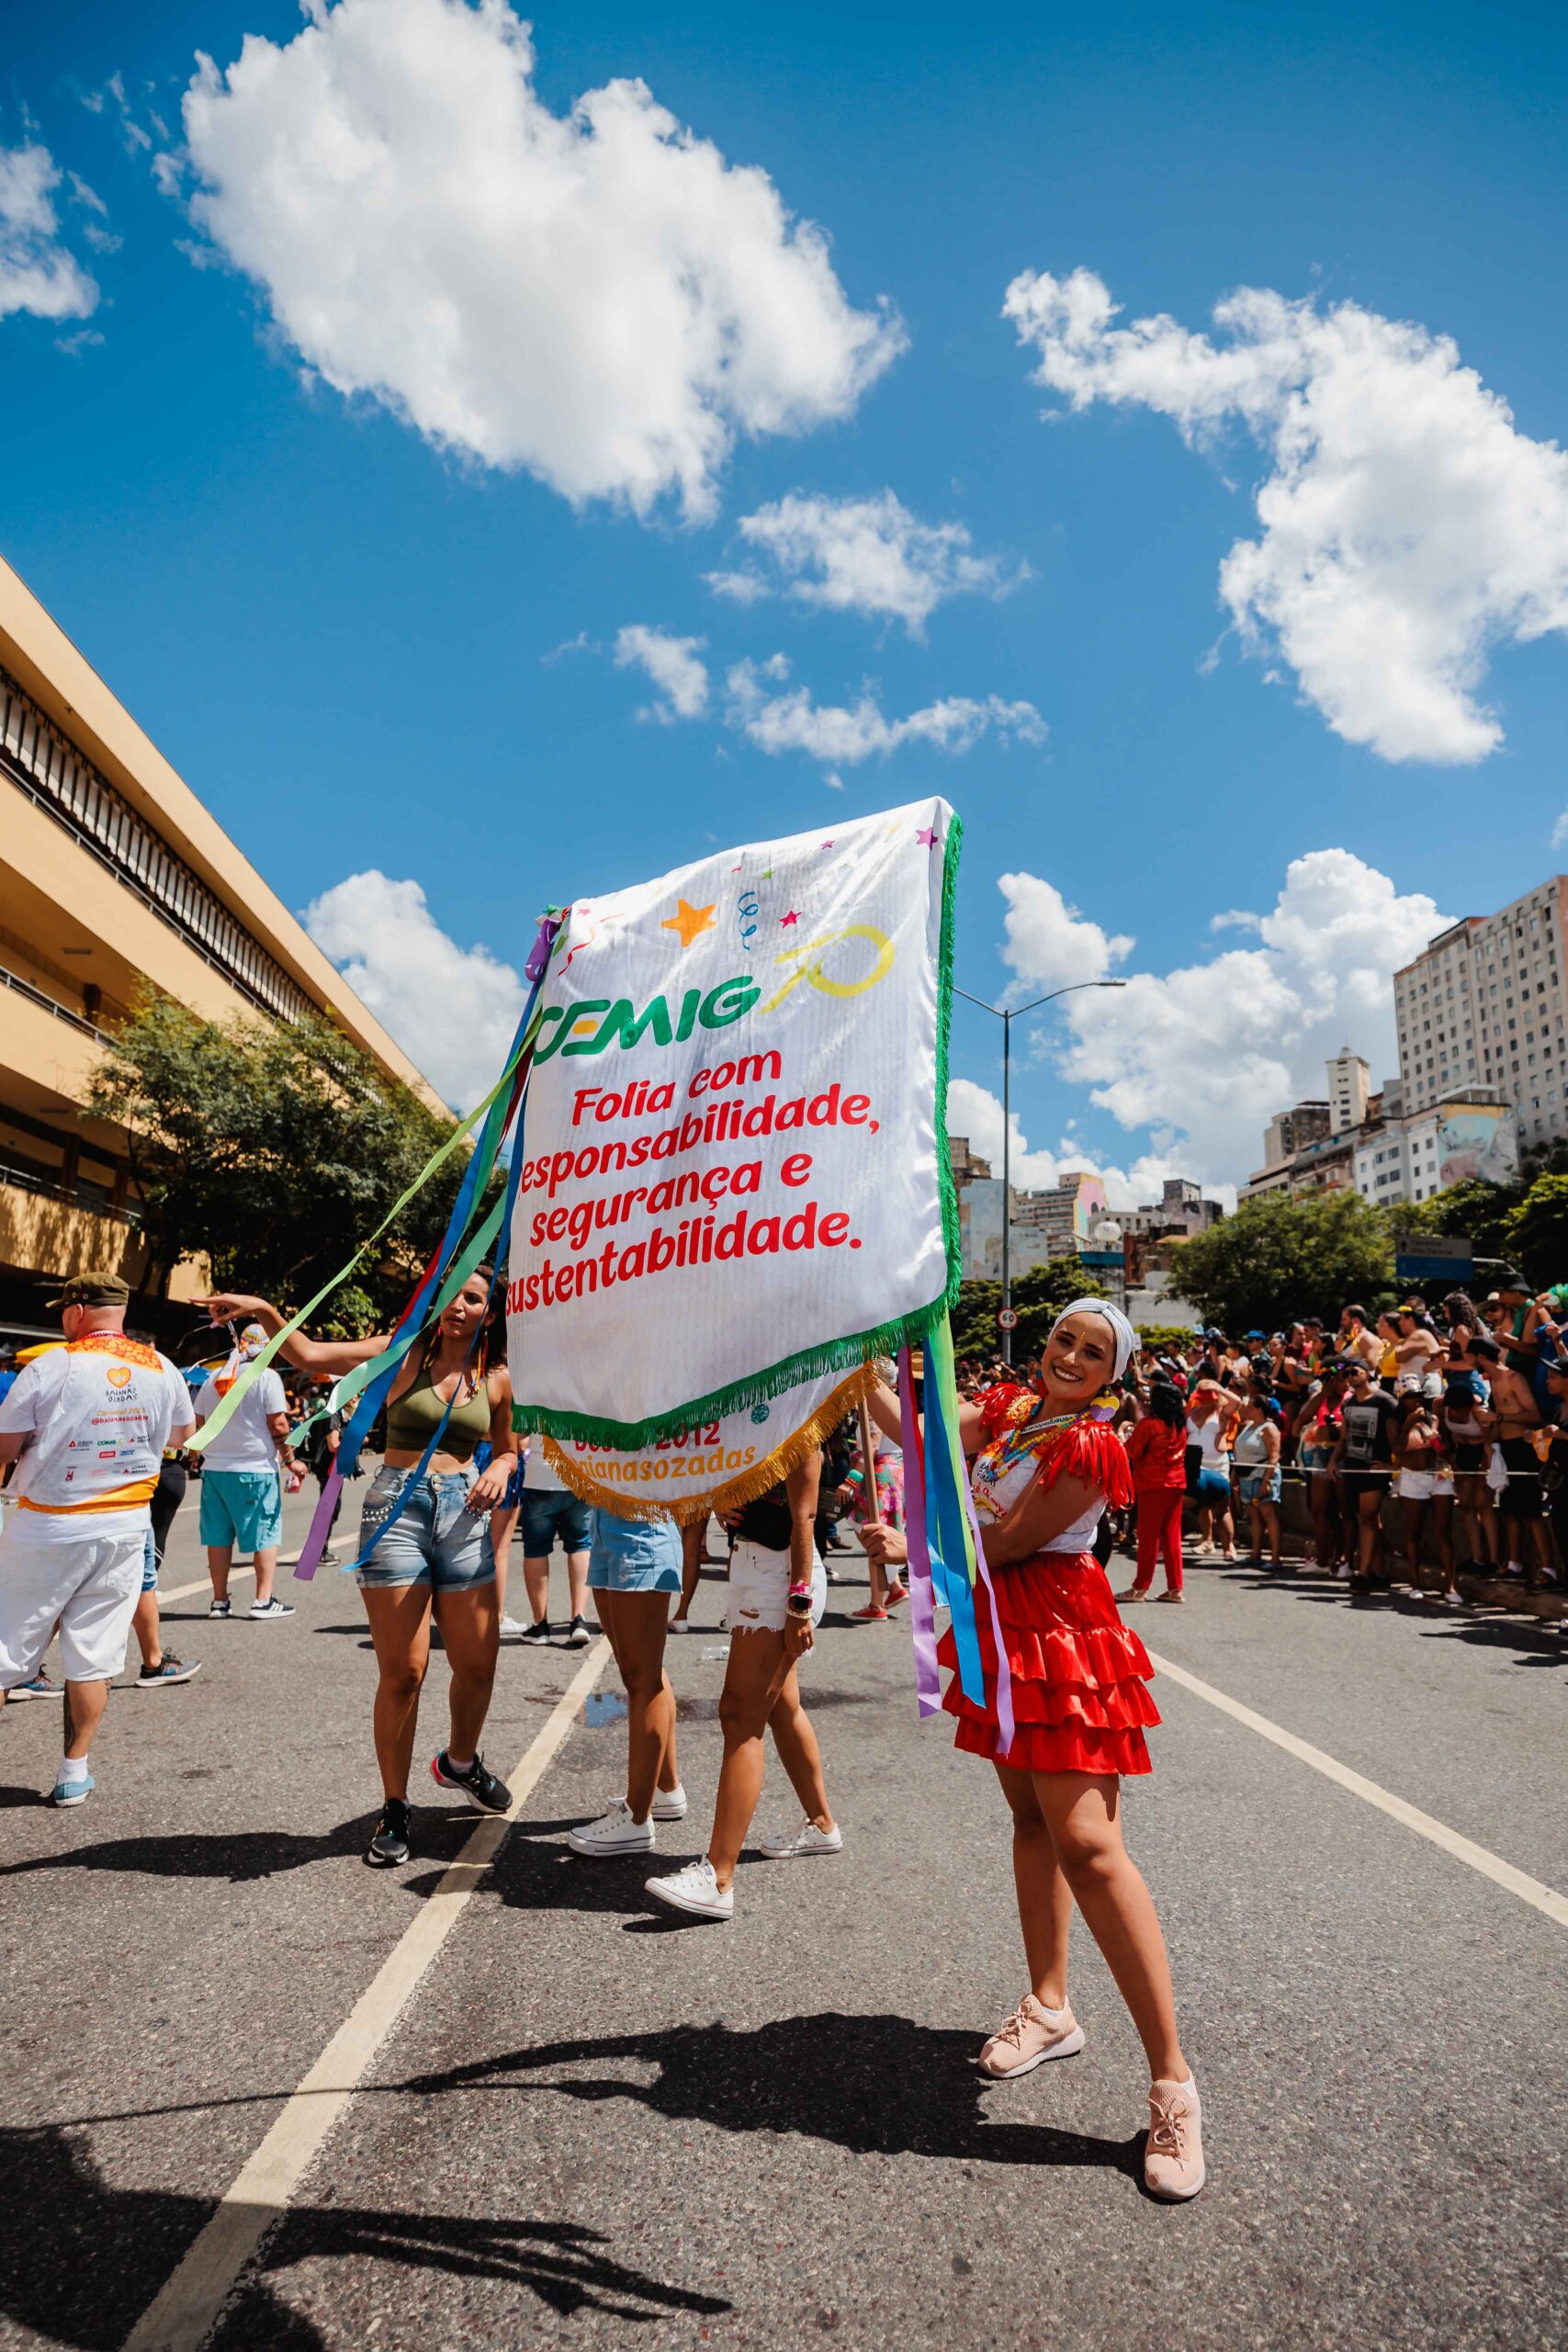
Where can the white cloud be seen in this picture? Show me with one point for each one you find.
(1408, 525)
(453, 1009)
(1560, 830)
(597, 296)
(37, 273)
(672, 662)
(1049, 944)
(1236, 919)
(863, 555)
(1207, 1053)
(843, 735)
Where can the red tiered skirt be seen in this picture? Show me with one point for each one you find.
(1078, 1698)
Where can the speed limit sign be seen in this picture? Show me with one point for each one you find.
(1007, 1319)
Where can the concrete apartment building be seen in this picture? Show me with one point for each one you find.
(1483, 1007)
(112, 875)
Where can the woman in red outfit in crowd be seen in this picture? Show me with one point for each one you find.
(1157, 1455)
(1043, 1472)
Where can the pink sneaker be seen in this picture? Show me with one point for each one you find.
(1173, 2159)
(1030, 2035)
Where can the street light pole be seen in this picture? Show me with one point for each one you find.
(1007, 1014)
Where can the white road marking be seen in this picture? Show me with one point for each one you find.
(183, 2315)
(204, 1584)
(1463, 1850)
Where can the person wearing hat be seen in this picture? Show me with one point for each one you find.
(86, 1425)
(241, 1488)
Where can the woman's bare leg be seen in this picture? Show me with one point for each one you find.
(636, 1623)
(1082, 1810)
(1045, 1898)
(799, 1753)
(753, 1679)
(470, 1633)
(400, 1627)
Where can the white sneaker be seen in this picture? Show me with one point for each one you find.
(614, 1833)
(669, 1805)
(695, 1889)
(271, 1611)
(798, 1843)
(512, 1629)
(681, 1625)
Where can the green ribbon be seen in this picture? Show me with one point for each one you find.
(258, 1363)
(353, 1382)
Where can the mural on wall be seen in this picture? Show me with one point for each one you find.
(1478, 1140)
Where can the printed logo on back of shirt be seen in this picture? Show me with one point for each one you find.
(119, 1375)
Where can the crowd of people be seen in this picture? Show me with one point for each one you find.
(1455, 1417)
(1452, 1415)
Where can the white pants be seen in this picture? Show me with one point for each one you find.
(759, 1589)
(90, 1587)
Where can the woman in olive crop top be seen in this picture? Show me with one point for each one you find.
(435, 1555)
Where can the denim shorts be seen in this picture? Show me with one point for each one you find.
(149, 1565)
(1212, 1491)
(1258, 1482)
(546, 1515)
(436, 1540)
(634, 1555)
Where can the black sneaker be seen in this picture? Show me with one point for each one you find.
(478, 1783)
(169, 1669)
(389, 1844)
(575, 1636)
(220, 1609)
(538, 1635)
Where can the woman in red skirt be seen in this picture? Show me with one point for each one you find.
(1043, 1472)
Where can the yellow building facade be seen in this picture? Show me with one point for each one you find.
(112, 875)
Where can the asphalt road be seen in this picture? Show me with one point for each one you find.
(590, 2128)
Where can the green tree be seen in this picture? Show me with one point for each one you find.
(1536, 1232)
(1038, 1297)
(1279, 1257)
(1480, 1211)
(272, 1148)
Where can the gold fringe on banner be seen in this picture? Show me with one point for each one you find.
(642, 1503)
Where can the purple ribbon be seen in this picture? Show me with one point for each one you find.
(922, 1607)
(321, 1526)
(1004, 1672)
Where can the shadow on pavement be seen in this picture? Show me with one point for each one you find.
(80, 2261)
(237, 1855)
(872, 2085)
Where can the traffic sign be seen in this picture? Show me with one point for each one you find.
(1433, 1258)
(1007, 1317)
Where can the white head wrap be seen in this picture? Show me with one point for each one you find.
(1126, 1338)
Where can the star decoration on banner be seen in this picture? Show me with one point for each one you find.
(926, 836)
(827, 845)
(690, 922)
(791, 917)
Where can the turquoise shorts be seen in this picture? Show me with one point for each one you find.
(634, 1555)
(243, 1508)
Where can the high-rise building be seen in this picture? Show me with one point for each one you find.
(1483, 1006)
(1290, 1131)
(113, 876)
(1349, 1084)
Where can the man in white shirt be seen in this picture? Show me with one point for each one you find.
(242, 1490)
(86, 1425)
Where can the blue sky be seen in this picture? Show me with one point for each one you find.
(341, 620)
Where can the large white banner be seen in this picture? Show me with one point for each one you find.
(734, 1179)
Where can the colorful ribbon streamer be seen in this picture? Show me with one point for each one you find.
(947, 1557)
